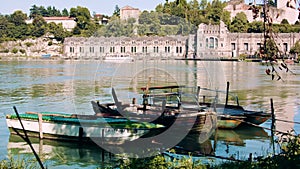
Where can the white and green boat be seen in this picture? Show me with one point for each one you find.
(61, 126)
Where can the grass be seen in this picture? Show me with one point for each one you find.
(18, 163)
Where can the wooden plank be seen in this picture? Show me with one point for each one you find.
(40, 125)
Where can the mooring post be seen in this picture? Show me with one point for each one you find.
(272, 112)
(272, 125)
(40, 125)
(227, 92)
(198, 93)
(80, 133)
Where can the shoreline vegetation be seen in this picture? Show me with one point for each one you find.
(288, 158)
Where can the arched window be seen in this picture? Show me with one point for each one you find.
(211, 43)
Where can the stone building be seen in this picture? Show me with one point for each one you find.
(210, 42)
(129, 12)
(278, 12)
(68, 23)
(138, 47)
(216, 41)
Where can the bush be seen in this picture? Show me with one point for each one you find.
(22, 51)
(50, 43)
(242, 56)
(14, 50)
(4, 51)
(28, 44)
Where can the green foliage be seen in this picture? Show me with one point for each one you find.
(65, 12)
(50, 43)
(22, 51)
(256, 27)
(17, 18)
(296, 48)
(14, 50)
(272, 50)
(285, 21)
(116, 11)
(57, 31)
(18, 163)
(42, 11)
(242, 56)
(160, 162)
(29, 44)
(117, 28)
(4, 51)
(239, 23)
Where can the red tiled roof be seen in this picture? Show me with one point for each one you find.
(129, 8)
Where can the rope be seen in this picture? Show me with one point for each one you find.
(288, 121)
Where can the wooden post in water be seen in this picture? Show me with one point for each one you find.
(198, 93)
(80, 133)
(40, 125)
(272, 125)
(272, 112)
(227, 92)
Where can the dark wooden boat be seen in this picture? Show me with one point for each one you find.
(232, 110)
(156, 109)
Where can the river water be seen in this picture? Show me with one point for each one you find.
(69, 86)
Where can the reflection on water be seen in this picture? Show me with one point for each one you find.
(69, 86)
(58, 154)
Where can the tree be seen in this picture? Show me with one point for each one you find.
(256, 27)
(39, 21)
(34, 11)
(239, 23)
(116, 11)
(285, 21)
(18, 18)
(296, 48)
(65, 12)
(83, 19)
(214, 11)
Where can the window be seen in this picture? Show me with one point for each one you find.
(246, 46)
(285, 47)
(155, 49)
(133, 49)
(72, 50)
(123, 49)
(167, 49)
(144, 49)
(112, 49)
(101, 49)
(81, 49)
(91, 49)
(211, 43)
(232, 46)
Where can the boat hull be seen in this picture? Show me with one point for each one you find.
(67, 128)
(181, 120)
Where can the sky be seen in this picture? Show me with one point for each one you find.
(99, 6)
